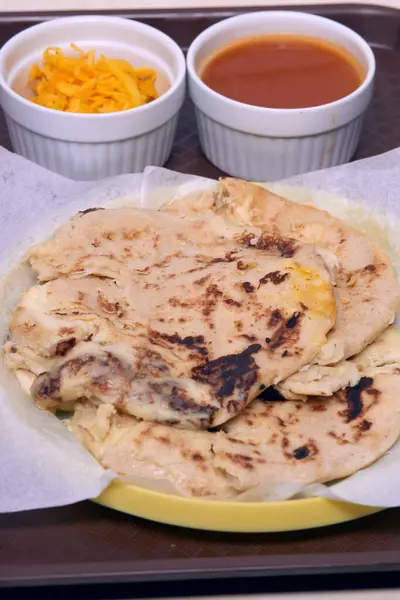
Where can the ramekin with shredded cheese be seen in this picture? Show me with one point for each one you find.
(122, 137)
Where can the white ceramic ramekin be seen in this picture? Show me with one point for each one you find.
(82, 146)
(264, 144)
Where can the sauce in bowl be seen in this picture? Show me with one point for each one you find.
(283, 71)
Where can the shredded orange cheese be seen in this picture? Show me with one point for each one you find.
(80, 84)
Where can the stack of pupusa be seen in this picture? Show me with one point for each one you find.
(156, 327)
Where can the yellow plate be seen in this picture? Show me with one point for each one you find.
(289, 515)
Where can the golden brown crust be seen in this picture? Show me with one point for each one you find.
(271, 442)
(367, 289)
(154, 313)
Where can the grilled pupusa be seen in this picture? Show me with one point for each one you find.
(174, 318)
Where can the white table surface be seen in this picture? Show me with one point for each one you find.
(37, 5)
(42, 5)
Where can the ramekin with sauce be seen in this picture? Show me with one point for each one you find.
(91, 146)
(255, 119)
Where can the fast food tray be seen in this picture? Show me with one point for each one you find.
(87, 543)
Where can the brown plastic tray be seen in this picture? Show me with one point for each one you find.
(85, 543)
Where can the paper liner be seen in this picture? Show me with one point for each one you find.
(42, 464)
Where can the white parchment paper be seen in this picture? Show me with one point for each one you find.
(41, 464)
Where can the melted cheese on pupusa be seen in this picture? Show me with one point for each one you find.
(312, 290)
